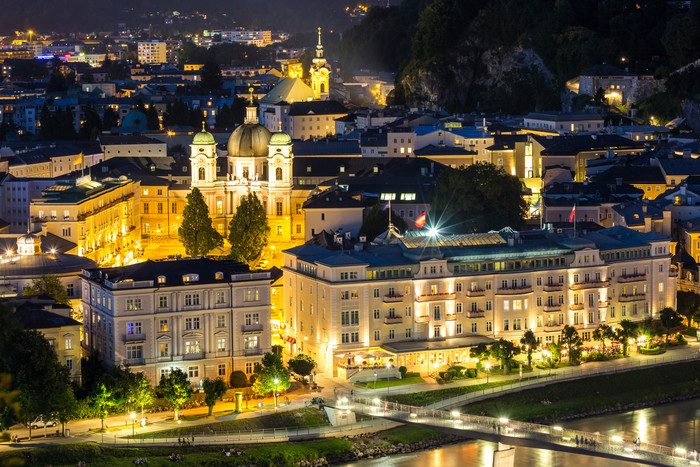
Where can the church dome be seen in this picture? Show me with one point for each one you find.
(28, 244)
(249, 139)
(280, 138)
(135, 119)
(204, 138)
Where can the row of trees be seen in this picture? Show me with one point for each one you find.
(248, 229)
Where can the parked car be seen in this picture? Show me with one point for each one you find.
(39, 422)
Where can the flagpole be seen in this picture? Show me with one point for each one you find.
(574, 219)
(389, 214)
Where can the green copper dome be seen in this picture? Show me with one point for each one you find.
(203, 138)
(280, 138)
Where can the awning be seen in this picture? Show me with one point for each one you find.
(430, 345)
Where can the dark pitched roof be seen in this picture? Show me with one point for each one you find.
(33, 318)
(632, 174)
(325, 148)
(506, 142)
(574, 144)
(680, 166)
(128, 139)
(563, 116)
(432, 150)
(317, 108)
(605, 70)
(332, 198)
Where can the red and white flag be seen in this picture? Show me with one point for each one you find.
(572, 216)
(420, 221)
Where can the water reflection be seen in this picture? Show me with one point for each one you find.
(672, 425)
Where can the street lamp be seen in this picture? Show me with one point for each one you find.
(488, 367)
(276, 381)
(388, 365)
(133, 423)
(375, 380)
(30, 35)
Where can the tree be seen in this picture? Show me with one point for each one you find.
(67, 407)
(196, 232)
(624, 333)
(268, 372)
(101, 401)
(176, 389)
(480, 352)
(211, 76)
(48, 284)
(572, 341)
(555, 349)
(213, 389)
(91, 126)
(688, 304)
(377, 221)
(504, 351)
(143, 393)
(649, 329)
(669, 320)
(110, 119)
(529, 344)
(152, 120)
(248, 231)
(238, 379)
(478, 198)
(602, 332)
(301, 364)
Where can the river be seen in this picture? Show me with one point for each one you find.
(671, 425)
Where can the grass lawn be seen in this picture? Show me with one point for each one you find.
(409, 434)
(381, 383)
(428, 397)
(595, 393)
(277, 454)
(308, 416)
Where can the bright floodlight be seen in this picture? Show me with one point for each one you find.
(133, 415)
(455, 413)
(432, 231)
(276, 381)
(617, 439)
(503, 420)
(375, 401)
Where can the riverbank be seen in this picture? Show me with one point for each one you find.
(596, 395)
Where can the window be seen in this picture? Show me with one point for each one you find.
(221, 321)
(191, 299)
(249, 368)
(70, 290)
(163, 301)
(475, 327)
(220, 295)
(134, 352)
(133, 304)
(250, 342)
(377, 314)
(164, 349)
(408, 332)
(376, 293)
(193, 372)
(350, 318)
(436, 312)
(278, 208)
(191, 323)
(489, 326)
(163, 325)
(68, 343)
(133, 328)
(436, 331)
(489, 305)
(505, 325)
(165, 372)
(192, 347)
(220, 345)
(377, 335)
(516, 324)
(252, 295)
(222, 369)
(69, 364)
(252, 319)
(459, 307)
(408, 311)
(392, 334)
(458, 287)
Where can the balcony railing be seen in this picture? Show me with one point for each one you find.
(632, 298)
(422, 319)
(134, 337)
(251, 327)
(579, 325)
(514, 290)
(476, 293)
(553, 327)
(603, 304)
(589, 285)
(551, 308)
(476, 313)
(576, 306)
(256, 351)
(553, 287)
(393, 319)
(632, 278)
(450, 317)
(392, 298)
(435, 296)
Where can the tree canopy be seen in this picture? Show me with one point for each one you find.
(529, 344)
(176, 389)
(196, 232)
(302, 364)
(377, 221)
(249, 231)
(477, 198)
(48, 284)
(213, 389)
(268, 372)
(504, 351)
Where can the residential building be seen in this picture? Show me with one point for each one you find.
(620, 87)
(333, 210)
(205, 317)
(154, 52)
(562, 123)
(650, 180)
(426, 300)
(132, 146)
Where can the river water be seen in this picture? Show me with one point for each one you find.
(675, 425)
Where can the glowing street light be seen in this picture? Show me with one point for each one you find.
(30, 34)
(432, 231)
(488, 368)
(133, 423)
(276, 381)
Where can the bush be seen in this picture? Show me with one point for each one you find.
(238, 379)
(680, 340)
(455, 372)
(403, 370)
(253, 377)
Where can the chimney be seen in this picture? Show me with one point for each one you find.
(348, 236)
(363, 238)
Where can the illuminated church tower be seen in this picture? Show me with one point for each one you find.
(320, 73)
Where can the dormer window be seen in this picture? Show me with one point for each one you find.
(219, 276)
(190, 278)
(161, 279)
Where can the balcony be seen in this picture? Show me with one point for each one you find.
(603, 304)
(576, 306)
(392, 298)
(553, 327)
(632, 278)
(589, 285)
(553, 287)
(551, 308)
(251, 327)
(476, 314)
(450, 317)
(422, 319)
(579, 325)
(134, 337)
(476, 293)
(632, 298)
(255, 351)
(515, 290)
(435, 296)
(393, 319)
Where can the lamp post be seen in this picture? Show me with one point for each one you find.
(375, 380)
(30, 35)
(133, 423)
(488, 368)
(276, 381)
(388, 365)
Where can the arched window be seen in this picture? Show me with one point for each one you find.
(323, 87)
(202, 175)
(278, 173)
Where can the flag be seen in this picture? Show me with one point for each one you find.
(420, 221)
(572, 216)
(386, 205)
